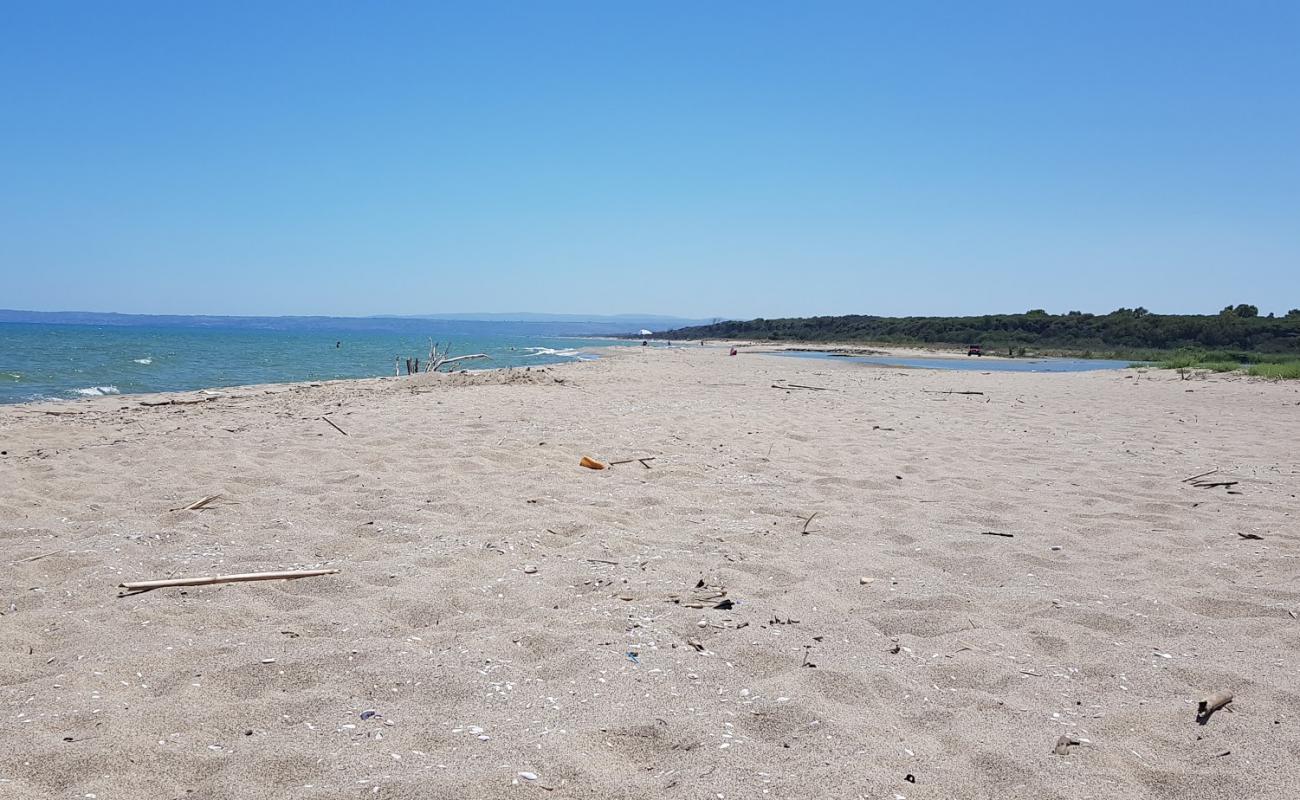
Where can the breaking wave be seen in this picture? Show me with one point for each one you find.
(97, 391)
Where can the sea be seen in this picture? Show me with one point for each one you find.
(69, 361)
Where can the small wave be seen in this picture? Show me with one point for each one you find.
(13, 375)
(550, 351)
(145, 361)
(97, 391)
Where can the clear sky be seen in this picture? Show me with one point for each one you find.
(696, 158)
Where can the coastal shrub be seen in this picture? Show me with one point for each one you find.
(1288, 370)
(1238, 334)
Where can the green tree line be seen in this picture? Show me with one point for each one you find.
(1237, 327)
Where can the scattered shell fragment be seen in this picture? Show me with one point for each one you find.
(530, 569)
(864, 580)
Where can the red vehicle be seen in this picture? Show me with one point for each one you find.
(974, 350)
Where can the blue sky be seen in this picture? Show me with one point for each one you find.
(732, 159)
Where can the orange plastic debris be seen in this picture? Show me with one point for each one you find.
(591, 463)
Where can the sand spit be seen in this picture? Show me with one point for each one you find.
(798, 597)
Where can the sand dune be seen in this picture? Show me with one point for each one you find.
(522, 626)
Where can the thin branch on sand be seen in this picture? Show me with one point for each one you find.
(198, 505)
(136, 587)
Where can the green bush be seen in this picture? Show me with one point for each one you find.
(1289, 370)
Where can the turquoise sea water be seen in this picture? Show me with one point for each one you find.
(41, 362)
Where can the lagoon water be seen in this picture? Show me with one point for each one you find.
(48, 361)
(971, 363)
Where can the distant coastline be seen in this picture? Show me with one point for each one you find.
(524, 323)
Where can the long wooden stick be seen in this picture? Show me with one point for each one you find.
(144, 586)
(38, 558)
(177, 401)
(335, 427)
(199, 504)
(443, 362)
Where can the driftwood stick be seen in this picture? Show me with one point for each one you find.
(997, 533)
(806, 522)
(38, 558)
(145, 586)
(1212, 484)
(335, 427)
(1202, 475)
(1063, 745)
(199, 504)
(933, 391)
(445, 361)
(177, 401)
(1206, 708)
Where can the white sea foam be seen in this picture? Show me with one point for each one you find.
(143, 360)
(550, 351)
(97, 391)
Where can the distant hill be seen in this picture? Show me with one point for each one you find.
(520, 324)
(1236, 327)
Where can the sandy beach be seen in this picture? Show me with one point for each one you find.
(898, 584)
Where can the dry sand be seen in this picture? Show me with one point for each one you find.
(886, 637)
